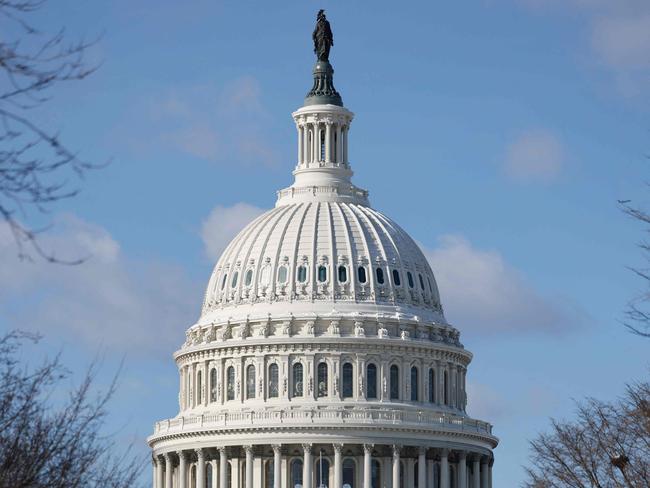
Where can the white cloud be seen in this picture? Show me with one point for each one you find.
(223, 224)
(108, 300)
(619, 36)
(534, 156)
(483, 295)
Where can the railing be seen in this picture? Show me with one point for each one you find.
(275, 418)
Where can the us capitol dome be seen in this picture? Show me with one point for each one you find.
(322, 356)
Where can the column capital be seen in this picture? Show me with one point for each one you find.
(181, 454)
(422, 450)
(368, 447)
(200, 453)
(396, 450)
(307, 448)
(248, 448)
(462, 454)
(167, 456)
(337, 448)
(276, 447)
(222, 450)
(444, 452)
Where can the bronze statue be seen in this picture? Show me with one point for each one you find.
(323, 38)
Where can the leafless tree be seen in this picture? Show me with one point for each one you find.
(35, 166)
(638, 311)
(607, 446)
(50, 441)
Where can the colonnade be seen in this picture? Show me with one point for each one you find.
(347, 466)
(322, 142)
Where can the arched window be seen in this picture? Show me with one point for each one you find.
(416, 478)
(432, 385)
(208, 475)
(361, 274)
(193, 476)
(223, 281)
(349, 477)
(250, 381)
(396, 278)
(371, 380)
(414, 384)
(273, 381)
(322, 274)
(430, 287)
(213, 385)
(343, 274)
(322, 472)
(302, 274)
(233, 283)
(347, 380)
(421, 281)
(269, 473)
(375, 474)
(322, 380)
(282, 275)
(249, 277)
(380, 276)
(297, 380)
(296, 473)
(199, 377)
(409, 277)
(394, 382)
(446, 384)
(230, 383)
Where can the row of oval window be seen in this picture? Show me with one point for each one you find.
(322, 388)
(322, 276)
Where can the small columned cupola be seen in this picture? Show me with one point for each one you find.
(323, 169)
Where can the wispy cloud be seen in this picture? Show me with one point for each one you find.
(484, 295)
(223, 124)
(619, 39)
(536, 155)
(223, 224)
(109, 300)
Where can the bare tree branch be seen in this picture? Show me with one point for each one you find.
(36, 168)
(46, 442)
(607, 446)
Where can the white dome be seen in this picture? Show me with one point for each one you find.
(326, 254)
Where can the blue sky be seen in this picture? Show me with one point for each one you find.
(499, 133)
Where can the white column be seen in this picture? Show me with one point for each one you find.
(159, 473)
(215, 474)
(422, 467)
(367, 465)
(200, 468)
(476, 481)
(306, 466)
(305, 143)
(154, 473)
(396, 466)
(338, 156)
(223, 468)
(484, 473)
(328, 142)
(345, 144)
(431, 473)
(490, 476)
(462, 470)
(444, 469)
(169, 470)
(182, 470)
(249, 466)
(338, 467)
(277, 466)
(300, 142)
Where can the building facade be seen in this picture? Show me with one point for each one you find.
(322, 357)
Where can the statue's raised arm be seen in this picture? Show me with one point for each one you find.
(323, 38)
